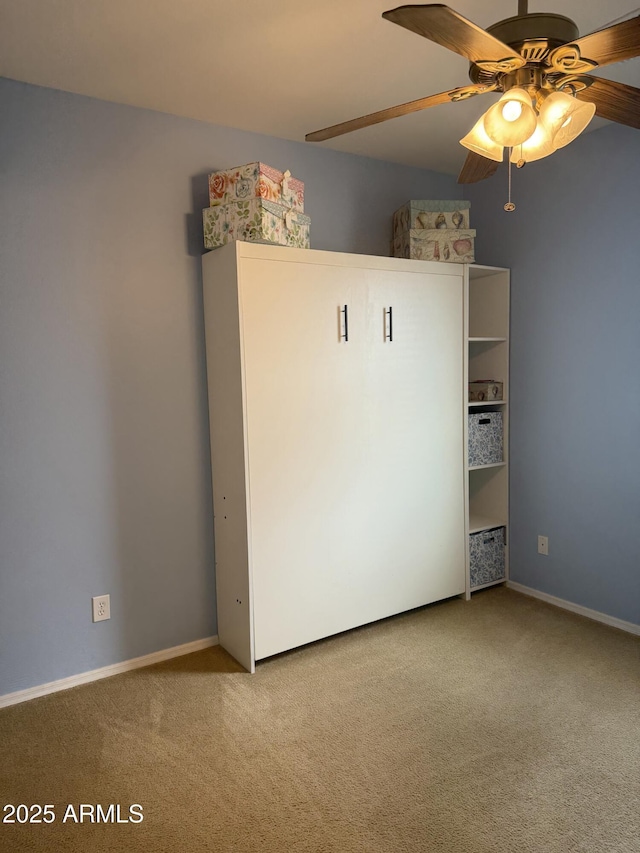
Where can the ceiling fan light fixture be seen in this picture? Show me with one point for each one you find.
(537, 146)
(568, 116)
(530, 58)
(478, 141)
(512, 119)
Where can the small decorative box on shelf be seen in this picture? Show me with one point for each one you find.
(256, 180)
(485, 438)
(487, 556)
(435, 245)
(489, 390)
(431, 214)
(256, 221)
(434, 230)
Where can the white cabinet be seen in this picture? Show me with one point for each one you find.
(488, 358)
(338, 454)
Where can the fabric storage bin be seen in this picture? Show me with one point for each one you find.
(256, 221)
(431, 214)
(433, 244)
(485, 438)
(487, 556)
(256, 180)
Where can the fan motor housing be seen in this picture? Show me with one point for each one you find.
(556, 29)
(532, 36)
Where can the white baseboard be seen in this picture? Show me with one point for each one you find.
(630, 627)
(105, 671)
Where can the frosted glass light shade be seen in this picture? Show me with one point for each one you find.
(512, 119)
(537, 146)
(478, 141)
(565, 117)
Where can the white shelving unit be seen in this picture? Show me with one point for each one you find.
(487, 296)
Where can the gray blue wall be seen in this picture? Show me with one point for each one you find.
(573, 246)
(104, 461)
(104, 466)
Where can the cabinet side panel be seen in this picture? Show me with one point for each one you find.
(465, 431)
(226, 424)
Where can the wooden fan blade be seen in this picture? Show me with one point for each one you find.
(615, 44)
(476, 168)
(446, 27)
(460, 94)
(614, 101)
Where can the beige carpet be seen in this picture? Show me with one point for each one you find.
(502, 724)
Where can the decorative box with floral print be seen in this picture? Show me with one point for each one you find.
(256, 221)
(486, 556)
(452, 215)
(454, 247)
(256, 180)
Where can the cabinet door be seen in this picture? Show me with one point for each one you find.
(414, 523)
(302, 383)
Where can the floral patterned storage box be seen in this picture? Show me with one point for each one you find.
(433, 244)
(485, 438)
(256, 180)
(487, 556)
(427, 214)
(257, 221)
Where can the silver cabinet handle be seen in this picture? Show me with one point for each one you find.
(388, 324)
(345, 325)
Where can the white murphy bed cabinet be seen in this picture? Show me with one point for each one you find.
(338, 398)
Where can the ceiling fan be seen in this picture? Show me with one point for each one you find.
(540, 64)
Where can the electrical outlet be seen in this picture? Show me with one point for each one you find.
(101, 607)
(543, 545)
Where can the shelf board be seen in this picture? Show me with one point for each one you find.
(478, 523)
(488, 403)
(491, 465)
(486, 340)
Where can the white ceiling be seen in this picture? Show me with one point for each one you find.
(283, 68)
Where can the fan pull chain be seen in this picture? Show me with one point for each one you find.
(509, 206)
